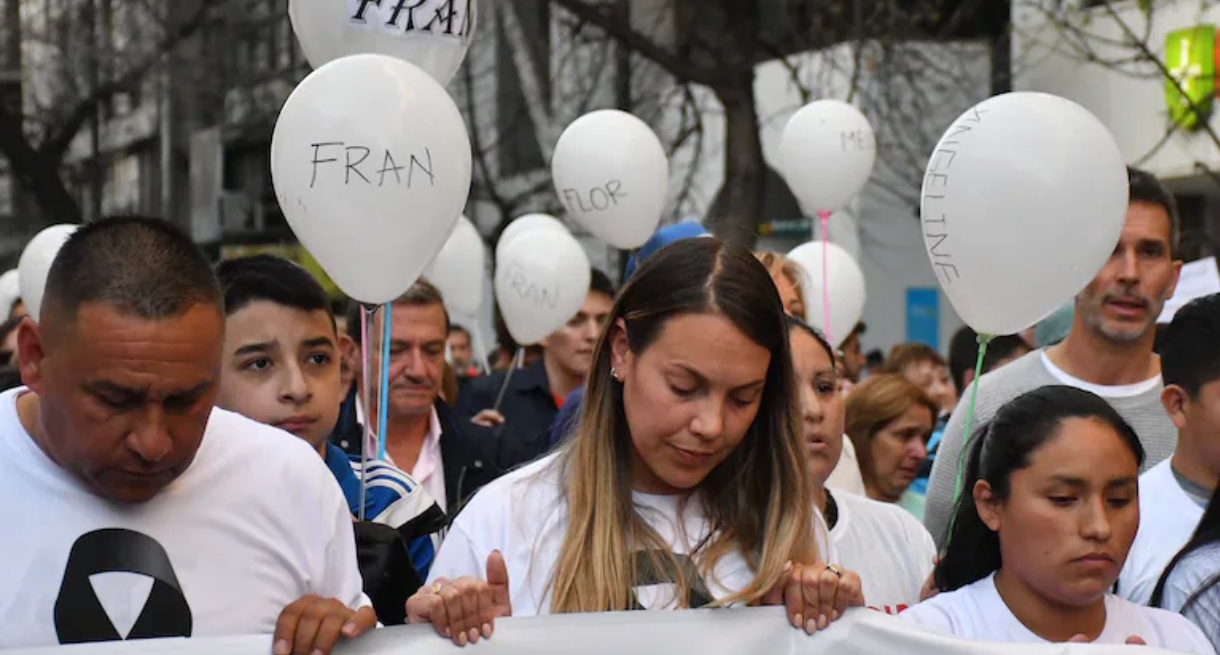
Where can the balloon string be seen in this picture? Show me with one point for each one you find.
(518, 361)
(481, 347)
(383, 410)
(984, 339)
(824, 217)
(367, 365)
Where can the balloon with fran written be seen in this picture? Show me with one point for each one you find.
(541, 281)
(431, 34)
(372, 165)
(612, 176)
(525, 224)
(1023, 201)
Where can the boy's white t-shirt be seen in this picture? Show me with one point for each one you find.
(891, 551)
(255, 523)
(978, 613)
(1168, 517)
(524, 516)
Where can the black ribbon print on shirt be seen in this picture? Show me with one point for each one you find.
(655, 568)
(79, 615)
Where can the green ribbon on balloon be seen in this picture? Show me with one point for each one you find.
(984, 340)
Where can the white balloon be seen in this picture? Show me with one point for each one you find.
(371, 163)
(541, 282)
(458, 269)
(35, 265)
(827, 154)
(431, 34)
(527, 223)
(847, 288)
(612, 176)
(1024, 199)
(10, 290)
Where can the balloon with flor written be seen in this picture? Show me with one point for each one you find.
(612, 176)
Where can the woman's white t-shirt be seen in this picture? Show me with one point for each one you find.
(977, 612)
(891, 551)
(524, 516)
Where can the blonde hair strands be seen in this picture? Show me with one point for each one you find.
(757, 502)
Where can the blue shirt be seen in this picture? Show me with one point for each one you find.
(391, 498)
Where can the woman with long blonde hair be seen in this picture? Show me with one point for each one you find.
(684, 486)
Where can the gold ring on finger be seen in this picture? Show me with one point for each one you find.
(436, 587)
(835, 570)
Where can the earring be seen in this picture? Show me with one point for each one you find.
(614, 373)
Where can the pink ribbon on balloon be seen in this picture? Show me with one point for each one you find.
(824, 217)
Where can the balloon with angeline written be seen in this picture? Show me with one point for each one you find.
(827, 154)
(371, 163)
(612, 176)
(458, 269)
(431, 34)
(1023, 201)
(35, 265)
(846, 282)
(542, 279)
(524, 224)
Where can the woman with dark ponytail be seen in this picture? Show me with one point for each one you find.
(1047, 514)
(1191, 582)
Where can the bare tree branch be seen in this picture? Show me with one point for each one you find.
(681, 69)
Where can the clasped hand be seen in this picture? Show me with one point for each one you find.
(815, 595)
(467, 608)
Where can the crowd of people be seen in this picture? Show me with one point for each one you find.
(685, 441)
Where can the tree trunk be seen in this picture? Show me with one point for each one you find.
(737, 211)
(36, 172)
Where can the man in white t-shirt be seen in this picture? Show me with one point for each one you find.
(1108, 351)
(1174, 493)
(132, 509)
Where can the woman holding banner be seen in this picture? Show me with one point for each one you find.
(684, 485)
(1038, 543)
(892, 552)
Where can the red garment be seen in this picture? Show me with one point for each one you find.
(558, 400)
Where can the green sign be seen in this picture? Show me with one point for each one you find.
(1190, 57)
(786, 227)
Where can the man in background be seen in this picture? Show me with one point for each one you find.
(536, 392)
(461, 352)
(422, 436)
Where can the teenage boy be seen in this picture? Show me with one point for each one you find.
(281, 367)
(1174, 493)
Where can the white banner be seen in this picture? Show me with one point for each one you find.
(698, 632)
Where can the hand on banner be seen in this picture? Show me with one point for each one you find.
(465, 608)
(815, 595)
(314, 624)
